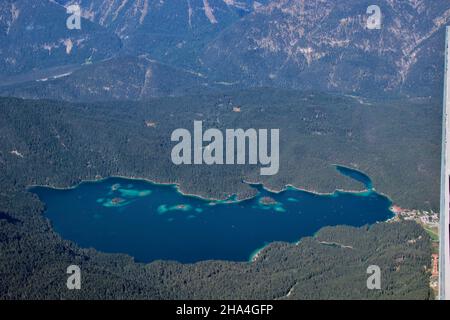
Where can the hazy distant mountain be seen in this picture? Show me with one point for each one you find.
(317, 44)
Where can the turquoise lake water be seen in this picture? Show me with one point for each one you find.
(150, 221)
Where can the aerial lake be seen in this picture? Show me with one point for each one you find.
(152, 221)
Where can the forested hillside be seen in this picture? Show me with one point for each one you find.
(60, 144)
(54, 143)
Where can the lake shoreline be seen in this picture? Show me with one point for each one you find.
(261, 191)
(178, 187)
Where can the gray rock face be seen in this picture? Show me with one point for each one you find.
(326, 45)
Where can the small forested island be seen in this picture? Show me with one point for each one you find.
(267, 201)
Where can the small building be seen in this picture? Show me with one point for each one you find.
(435, 268)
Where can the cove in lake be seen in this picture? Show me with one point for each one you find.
(152, 221)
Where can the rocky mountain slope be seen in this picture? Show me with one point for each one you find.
(326, 45)
(171, 31)
(34, 36)
(319, 44)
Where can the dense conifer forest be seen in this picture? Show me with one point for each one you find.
(60, 144)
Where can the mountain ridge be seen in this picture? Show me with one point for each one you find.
(304, 45)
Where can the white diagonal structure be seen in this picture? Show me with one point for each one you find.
(444, 249)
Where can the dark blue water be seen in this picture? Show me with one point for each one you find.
(150, 221)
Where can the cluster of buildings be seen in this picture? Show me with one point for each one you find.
(428, 219)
